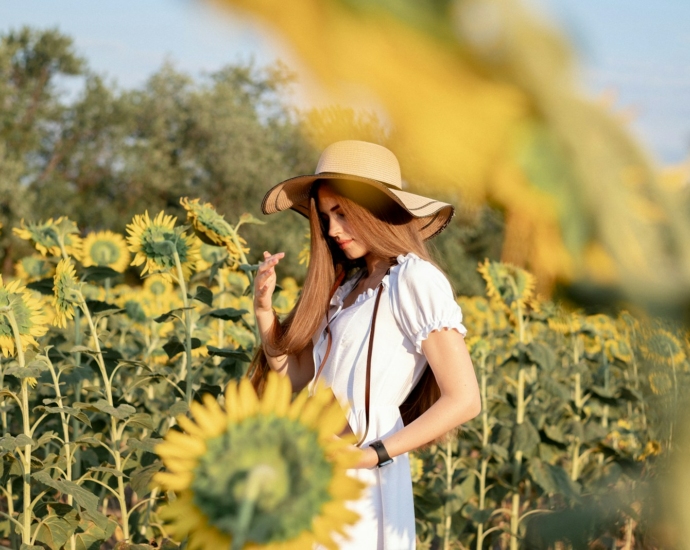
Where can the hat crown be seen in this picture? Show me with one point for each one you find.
(362, 159)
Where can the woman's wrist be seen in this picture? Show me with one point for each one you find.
(267, 320)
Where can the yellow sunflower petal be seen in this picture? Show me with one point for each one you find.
(248, 402)
(314, 407)
(268, 399)
(173, 482)
(212, 424)
(333, 420)
(298, 405)
(283, 397)
(193, 445)
(189, 426)
(232, 403)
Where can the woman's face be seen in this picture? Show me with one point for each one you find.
(337, 225)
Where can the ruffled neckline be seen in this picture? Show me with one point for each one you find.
(343, 290)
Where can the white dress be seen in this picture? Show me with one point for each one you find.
(416, 300)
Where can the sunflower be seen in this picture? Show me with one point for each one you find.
(158, 286)
(416, 467)
(67, 292)
(659, 382)
(619, 349)
(46, 236)
(154, 242)
(236, 282)
(210, 255)
(266, 471)
(661, 347)
(652, 448)
(287, 297)
(602, 325)
(305, 254)
(564, 322)
(591, 344)
(211, 226)
(106, 249)
(33, 268)
(508, 286)
(28, 314)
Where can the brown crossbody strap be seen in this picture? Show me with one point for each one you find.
(369, 354)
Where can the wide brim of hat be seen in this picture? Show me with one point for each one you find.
(294, 194)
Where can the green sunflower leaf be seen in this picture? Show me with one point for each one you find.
(165, 317)
(227, 352)
(97, 307)
(554, 480)
(142, 420)
(71, 411)
(94, 529)
(98, 273)
(249, 267)
(228, 314)
(24, 372)
(148, 445)
(203, 295)
(525, 438)
(174, 346)
(248, 218)
(141, 477)
(44, 286)
(83, 497)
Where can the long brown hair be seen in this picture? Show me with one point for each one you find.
(387, 231)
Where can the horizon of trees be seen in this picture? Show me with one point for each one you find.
(107, 154)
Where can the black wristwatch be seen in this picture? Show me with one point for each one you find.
(384, 457)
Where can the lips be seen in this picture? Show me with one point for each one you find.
(343, 244)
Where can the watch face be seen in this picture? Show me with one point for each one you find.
(386, 463)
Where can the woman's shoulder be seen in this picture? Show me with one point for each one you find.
(413, 271)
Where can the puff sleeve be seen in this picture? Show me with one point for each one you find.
(422, 300)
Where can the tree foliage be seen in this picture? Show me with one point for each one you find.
(99, 156)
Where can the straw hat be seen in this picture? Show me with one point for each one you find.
(362, 162)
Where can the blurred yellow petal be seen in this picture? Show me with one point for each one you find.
(297, 405)
(248, 401)
(189, 426)
(173, 482)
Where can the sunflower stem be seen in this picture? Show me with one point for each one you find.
(187, 326)
(65, 436)
(26, 455)
(115, 438)
(259, 477)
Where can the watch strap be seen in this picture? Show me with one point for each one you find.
(381, 452)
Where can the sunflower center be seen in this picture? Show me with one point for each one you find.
(154, 236)
(295, 477)
(213, 221)
(105, 253)
(35, 267)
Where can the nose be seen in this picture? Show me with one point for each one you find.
(334, 227)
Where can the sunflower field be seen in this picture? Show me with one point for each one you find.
(128, 421)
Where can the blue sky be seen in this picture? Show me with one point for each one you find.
(639, 48)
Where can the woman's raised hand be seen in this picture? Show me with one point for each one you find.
(265, 281)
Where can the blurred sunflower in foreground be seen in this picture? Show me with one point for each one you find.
(263, 473)
(105, 249)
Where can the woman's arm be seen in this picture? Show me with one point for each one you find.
(299, 368)
(459, 402)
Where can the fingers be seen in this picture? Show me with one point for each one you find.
(270, 261)
(266, 272)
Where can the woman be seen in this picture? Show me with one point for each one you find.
(373, 313)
